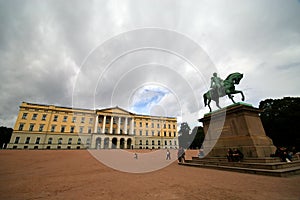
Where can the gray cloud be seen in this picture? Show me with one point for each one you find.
(50, 47)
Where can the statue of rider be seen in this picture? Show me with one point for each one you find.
(217, 84)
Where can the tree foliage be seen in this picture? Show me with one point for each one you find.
(191, 140)
(184, 135)
(5, 135)
(197, 136)
(280, 118)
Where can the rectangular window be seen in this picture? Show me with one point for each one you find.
(88, 141)
(72, 129)
(89, 130)
(158, 126)
(60, 141)
(82, 119)
(158, 133)
(174, 134)
(173, 126)
(98, 130)
(141, 132)
(65, 119)
(146, 124)
(134, 124)
(79, 141)
(81, 129)
(141, 142)
(31, 127)
(73, 119)
(169, 126)
(53, 128)
(91, 121)
(27, 140)
(55, 118)
(21, 126)
(152, 133)
(24, 115)
(164, 125)
(37, 141)
(17, 140)
(62, 130)
(70, 141)
(146, 133)
(165, 133)
(34, 116)
(152, 125)
(141, 124)
(44, 117)
(170, 134)
(41, 127)
(152, 142)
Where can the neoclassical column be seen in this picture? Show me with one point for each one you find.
(125, 125)
(111, 124)
(125, 144)
(131, 126)
(103, 123)
(119, 125)
(110, 143)
(118, 143)
(96, 123)
(102, 143)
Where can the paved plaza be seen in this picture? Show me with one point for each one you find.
(75, 174)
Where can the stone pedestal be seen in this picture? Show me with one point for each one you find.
(236, 126)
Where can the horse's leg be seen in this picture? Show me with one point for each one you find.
(208, 103)
(238, 91)
(231, 97)
(217, 103)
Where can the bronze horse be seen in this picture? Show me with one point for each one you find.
(227, 88)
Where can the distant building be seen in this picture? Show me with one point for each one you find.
(53, 127)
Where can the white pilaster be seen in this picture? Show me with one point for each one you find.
(119, 125)
(125, 125)
(103, 124)
(131, 126)
(96, 123)
(111, 124)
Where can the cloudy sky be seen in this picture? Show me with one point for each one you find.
(151, 57)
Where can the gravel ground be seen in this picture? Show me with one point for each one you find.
(75, 174)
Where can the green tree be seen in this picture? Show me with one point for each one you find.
(197, 137)
(5, 135)
(183, 138)
(280, 118)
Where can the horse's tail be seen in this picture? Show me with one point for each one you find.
(205, 99)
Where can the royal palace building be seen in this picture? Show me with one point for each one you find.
(54, 127)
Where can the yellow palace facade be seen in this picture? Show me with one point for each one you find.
(54, 127)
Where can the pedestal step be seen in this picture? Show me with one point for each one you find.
(281, 169)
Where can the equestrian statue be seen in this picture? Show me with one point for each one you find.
(220, 88)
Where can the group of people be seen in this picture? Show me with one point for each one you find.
(286, 155)
(234, 155)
